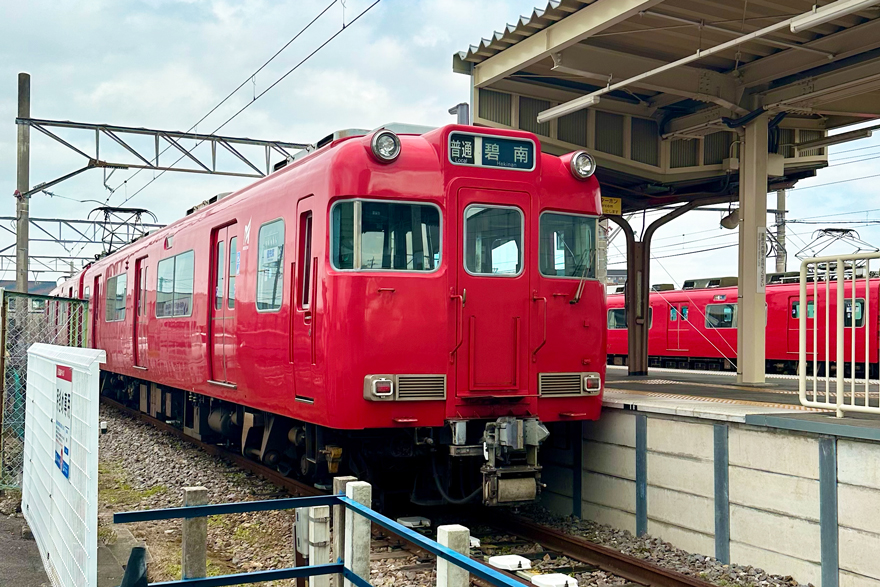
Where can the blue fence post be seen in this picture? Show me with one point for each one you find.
(357, 532)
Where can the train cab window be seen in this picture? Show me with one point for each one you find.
(174, 287)
(493, 240)
(721, 316)
(270, 266)
(617, 319)
(369, 235)
(848, 313)
(568, 246)
(115, 306)
(796, 310)
(234, 265)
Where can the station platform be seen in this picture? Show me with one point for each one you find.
(20, 563)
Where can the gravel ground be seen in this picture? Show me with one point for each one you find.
(143, 468)
(658, 552)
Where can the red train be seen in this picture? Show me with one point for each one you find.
(696, 328)
(408, 308)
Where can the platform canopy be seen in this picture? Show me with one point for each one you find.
(657, 89)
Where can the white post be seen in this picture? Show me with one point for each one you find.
(194, 564)
(357, 532)
(457, 538)
(339, 485)
(319, 542)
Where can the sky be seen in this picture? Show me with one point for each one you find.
(166, 63)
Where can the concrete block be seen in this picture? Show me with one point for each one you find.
(688, 540)
(778, 452)
(778, 564)
(847, 579)
(609, 516)
(194, 564)
(609, 491)
(614, 427)
(682, 474)
(858, 552)
(558, 479)
(681, 438)
(682, 509)
(852, 460)
(776, 533)
(781, 494)
(858, 507)
(457, 538)
(357, 532)
(610, 459)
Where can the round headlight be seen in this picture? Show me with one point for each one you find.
(385, 145)
(582, 165)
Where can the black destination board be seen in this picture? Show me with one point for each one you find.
(491, 151)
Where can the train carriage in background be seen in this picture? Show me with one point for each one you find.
(695, 328)
(409, 308)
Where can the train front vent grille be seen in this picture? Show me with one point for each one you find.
(560, 384)
(421, 387)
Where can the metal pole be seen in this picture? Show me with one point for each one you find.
(23, 184)
(781, 255)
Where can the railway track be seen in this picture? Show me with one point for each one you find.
(553, 543)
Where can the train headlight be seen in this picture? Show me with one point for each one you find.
(582, 165)
(385, 146)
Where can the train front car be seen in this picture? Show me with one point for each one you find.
(461, 301)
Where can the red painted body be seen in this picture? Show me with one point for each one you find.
(309, 363)
(674, 342)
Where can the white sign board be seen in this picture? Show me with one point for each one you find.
(762, 259)
(59, 489)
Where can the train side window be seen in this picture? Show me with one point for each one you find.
(721, 316)
(493, 238)
(673, 314)
(848, 313)
(142, 294)
(270, 266)
(305, 259)
(115, 306)
(174, 287)
(86, 294)
(617, 318)
(796, 310)
(220, 270)
(234, 266)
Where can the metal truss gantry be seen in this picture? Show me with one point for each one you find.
(162, 141)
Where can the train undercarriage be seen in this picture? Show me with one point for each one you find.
(467, 461)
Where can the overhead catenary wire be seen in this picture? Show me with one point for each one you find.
(240, 86)
(264, 92)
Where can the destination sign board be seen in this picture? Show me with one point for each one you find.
(491, 151)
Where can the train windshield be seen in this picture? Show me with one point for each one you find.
(493, 240)
(385, 236)
(568, 246)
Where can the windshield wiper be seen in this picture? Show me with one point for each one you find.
(581, 282)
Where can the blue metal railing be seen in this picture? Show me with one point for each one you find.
(473, 567)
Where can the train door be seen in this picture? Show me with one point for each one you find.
(303, 336)
(493, 282)
(140, 317)
(225, 265)
(793, 332)
(677, 327)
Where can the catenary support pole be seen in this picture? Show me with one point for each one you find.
(22, 185)
(357, 532)
(339, 485)
(457, 538)
(195, 536)
(781, 255)
(751, 318)
(319, 542)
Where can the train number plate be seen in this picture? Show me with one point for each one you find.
(491, 151)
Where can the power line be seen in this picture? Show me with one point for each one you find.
(799, 189)
(263, 93)
(233, 92)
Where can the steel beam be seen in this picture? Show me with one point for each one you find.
(22, 205)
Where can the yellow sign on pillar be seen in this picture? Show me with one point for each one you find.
(611, 206)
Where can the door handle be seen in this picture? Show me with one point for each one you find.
(536, 298)
(461, 297)
(307, 317)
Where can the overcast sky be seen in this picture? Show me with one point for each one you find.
(166, 63)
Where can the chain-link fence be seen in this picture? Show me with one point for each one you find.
(24, 320)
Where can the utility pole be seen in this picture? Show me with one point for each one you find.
(781, 255)
(23, 184)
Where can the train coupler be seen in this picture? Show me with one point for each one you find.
(511, 473)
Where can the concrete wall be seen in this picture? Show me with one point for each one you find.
(790, 502)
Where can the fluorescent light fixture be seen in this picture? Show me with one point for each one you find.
(844, 137)
(569, 107)
(829, 12)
